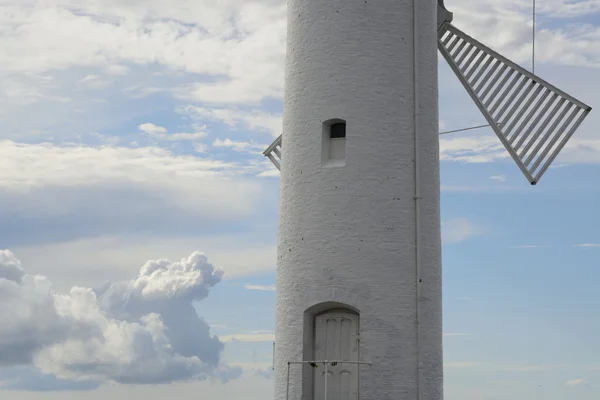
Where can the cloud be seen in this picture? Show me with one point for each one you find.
(575, 383)
(30, 165)
(236, 118)
(93, 82)
(87, 261)
(499, 178)
(160, 132)
(81, 191)
(266, 373)
(260, 336)
(506, 27)
(588, 245)
(270, 173)
(261, 369)
(458, 230)
(261, 288)
(239, 146)
(151, 129)
(140, 331)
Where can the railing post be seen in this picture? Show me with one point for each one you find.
(326, 375)
(287, 390)
(358, 363)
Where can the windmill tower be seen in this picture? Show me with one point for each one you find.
(359, 252)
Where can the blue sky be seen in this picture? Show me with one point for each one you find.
(132, 132)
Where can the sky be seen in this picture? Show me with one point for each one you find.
(139, 219)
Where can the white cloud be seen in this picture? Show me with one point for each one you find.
(239, 146)
(458, 230)
(486, 149)
(270, 173)
(117, 69)
(261, 288)
(143, 330)
(472, 149)
(249, 337)
(575, 383)
(93, 82)
(74, 174)
(160, 132)
(499, 178)
(253, 120)
(200, 147)
(150, 128)
(90, 261)
(506, 27)
(26, 165)
(588, 245)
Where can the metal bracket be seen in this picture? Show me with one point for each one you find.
(443, 15)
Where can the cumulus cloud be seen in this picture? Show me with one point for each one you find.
(144, 330)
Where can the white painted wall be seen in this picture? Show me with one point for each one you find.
(347, 233)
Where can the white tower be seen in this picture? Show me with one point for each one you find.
(359, 254)
(348, 257)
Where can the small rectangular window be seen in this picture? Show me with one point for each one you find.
(338, 130)
(334, 143)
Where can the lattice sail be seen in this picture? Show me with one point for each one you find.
(532, 118)
(273, 152)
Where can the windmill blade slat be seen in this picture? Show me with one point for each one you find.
(549, 131)
(491, 71)
(562, 144)
(501, 99)
(509, 97)
(541, 128)
(499, 87)
(476, 64)
(561, 130)
(524, 109)
(474, 52)
(494, 81)
(533, 111)
(273, 152)
(464, 54)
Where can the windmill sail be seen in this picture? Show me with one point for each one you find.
(532, 118)
(273, 152)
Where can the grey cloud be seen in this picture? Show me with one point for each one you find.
(10, 267)
(141, 331)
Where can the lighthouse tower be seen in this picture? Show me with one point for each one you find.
(359, 252)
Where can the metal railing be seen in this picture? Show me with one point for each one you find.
(326, 363)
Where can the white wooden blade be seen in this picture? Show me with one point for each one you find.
(532, 118)
(273, 152)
